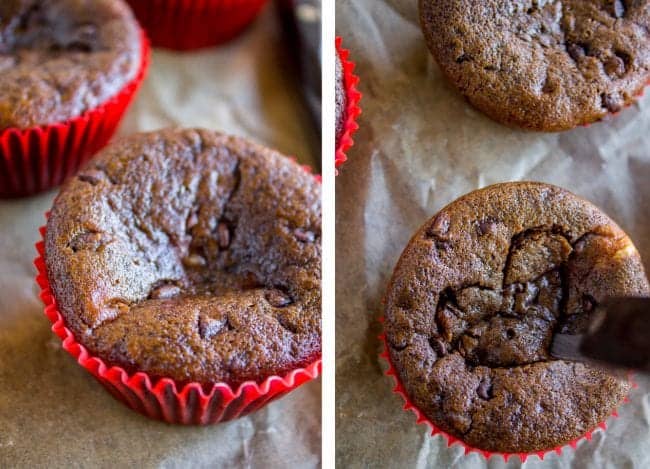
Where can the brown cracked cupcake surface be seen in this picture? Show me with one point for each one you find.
(476, 298)
(191, 255)
(547, 66)
(61, 58)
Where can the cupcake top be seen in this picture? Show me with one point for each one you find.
(191, 255)
(341, 100)
(61, 58)
(541, 65)
(476, 298)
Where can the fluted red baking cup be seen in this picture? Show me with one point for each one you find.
(452, 440)
(163, 398)
(39, 158)
(194, 24)
(352, 109)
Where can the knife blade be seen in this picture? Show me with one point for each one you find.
(619, 337)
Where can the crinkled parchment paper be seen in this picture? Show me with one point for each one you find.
(52, 412)
(419, 147)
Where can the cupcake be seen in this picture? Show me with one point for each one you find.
(347, 103)
(474, 302)
(546, 66)
(68, 72)
(194, 257)
(194, 24)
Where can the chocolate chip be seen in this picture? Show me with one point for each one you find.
(438, 346)
(164, 292)
(277, 298)
(223, 235)
(209, 327)
(79, 46)
(443, 245)
(397, 344)
(484, 389)
(304, 236)
(615, 66)
(250, 281)
(194, 260)
(487, 227)
(90, 241)
(510, 334)
(576, 51)
(549, 86)
(588, 304)
(611, 102)
(439, 227)
(92, 176)
(405, 299)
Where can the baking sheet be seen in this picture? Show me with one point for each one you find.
(52, 412)
(419, 147)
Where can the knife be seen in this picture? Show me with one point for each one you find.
(619, 337)
(301, 25)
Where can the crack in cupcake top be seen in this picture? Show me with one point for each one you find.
(193, 255)
(476, 298)
(60, 58)
(513, 325)
(545, 65)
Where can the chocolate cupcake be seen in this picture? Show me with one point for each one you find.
(475, 300)
(545, 66)
(68, 71)
(60, 58)
(190, 255)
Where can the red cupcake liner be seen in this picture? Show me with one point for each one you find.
(163, 398)
(352, 109)
(39, 158)
(194, 24)
(452, 440)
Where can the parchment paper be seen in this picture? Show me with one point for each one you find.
(52, 412)
(419, 147)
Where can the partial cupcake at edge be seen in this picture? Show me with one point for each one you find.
(69, 70)
(544, 66)
(187, 25)
(347, 108)
(191, 256)
(475, 300)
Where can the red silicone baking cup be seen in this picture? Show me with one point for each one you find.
(452, 440)
(39, 158)
(163, 398)
(352, 109)
(194, 24)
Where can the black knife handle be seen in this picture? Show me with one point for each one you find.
(623, 337)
